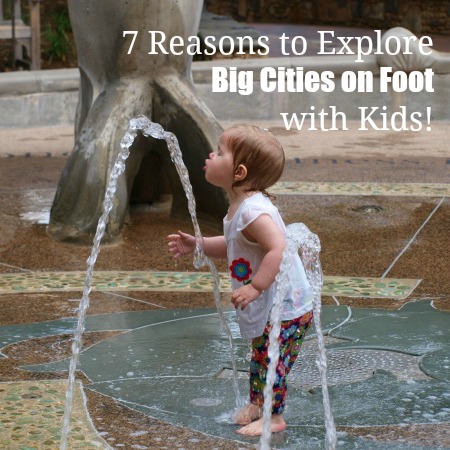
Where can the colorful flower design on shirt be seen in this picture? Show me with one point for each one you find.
(240, 269)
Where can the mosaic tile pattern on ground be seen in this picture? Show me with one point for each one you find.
(189, 281)
(31, 416)
(348, 188)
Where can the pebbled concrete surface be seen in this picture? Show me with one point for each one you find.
(353, 244)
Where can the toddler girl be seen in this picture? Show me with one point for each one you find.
(247, 162)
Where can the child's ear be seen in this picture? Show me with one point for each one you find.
(240, 173)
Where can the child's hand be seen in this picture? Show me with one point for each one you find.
(244, 295)
(181, 244)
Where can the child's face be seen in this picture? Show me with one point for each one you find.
(219, 167)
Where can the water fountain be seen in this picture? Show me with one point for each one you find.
(115, 85)
(298, 237)
(153, 130)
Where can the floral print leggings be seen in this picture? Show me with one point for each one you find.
(291, 337)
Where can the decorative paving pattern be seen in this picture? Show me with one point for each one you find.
(11, 283)
(31, 415)
(375, 363)
(347, 188)
(378, 364)
(397, 288)
(346, 366)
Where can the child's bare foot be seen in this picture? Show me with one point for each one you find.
(247, 414)
(255, 428)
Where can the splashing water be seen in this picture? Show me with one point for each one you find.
(117, 170)
(298, 237)
(154, 130)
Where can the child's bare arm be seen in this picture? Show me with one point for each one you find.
(182, 244)
(215, 247)
(266, 233)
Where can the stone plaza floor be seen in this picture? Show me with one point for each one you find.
(155, 368)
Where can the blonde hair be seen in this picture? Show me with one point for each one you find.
(260, 152)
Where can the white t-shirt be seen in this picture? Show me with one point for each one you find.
(244, 258)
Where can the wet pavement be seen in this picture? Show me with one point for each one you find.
(155, 370)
